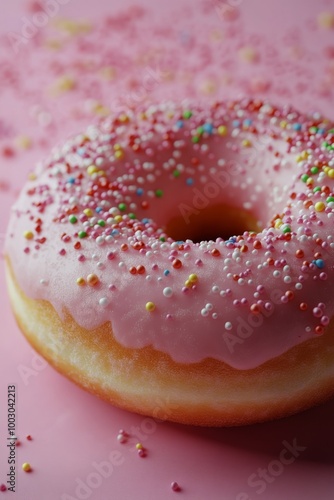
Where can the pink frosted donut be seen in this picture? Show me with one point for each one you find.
(178, 261)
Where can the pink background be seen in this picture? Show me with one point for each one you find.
(178, 48)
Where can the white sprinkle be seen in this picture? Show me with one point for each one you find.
(168, 292)
(103, 302)
(228, 326)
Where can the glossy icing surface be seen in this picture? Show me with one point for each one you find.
(88, 231)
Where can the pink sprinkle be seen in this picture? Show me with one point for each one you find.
(3, 487)
(141, 453)
(175, 487)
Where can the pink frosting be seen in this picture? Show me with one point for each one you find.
(112, 191)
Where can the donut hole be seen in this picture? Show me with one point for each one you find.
(212, 222)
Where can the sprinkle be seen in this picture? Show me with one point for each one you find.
(187, 114)
(174, 486)
(222, 130)
(92, 280)
(168, 292)
(26, 467)
(150, 306)
(82, 234)
(81, 281)
(319, 206)
(177, 264)
(28, 235)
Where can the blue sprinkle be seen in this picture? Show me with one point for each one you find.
(236, 123)
(179, 123)
(145, 221)
(248, 122)
(180, 242)
(231, 240)
(296, 126)
(190, 181)
(321, 131)
(319, 263)
(139, 191)
(71, 180)
(81, 151)
(115, 232)
(208, 127)
(98, 210)
(166, 272)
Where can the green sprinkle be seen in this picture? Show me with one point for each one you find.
(82, 234)
(72, 219)
(330, 199)
(317, 189)
(195, 139)
(313, 130)
(314, 170)
(131, 216)
(187, 114)
(304, 177)
(287, 229)
(176, 173)
(162, 238)
(101, 223)
(200, 130)
(159, 193)
(122, 207)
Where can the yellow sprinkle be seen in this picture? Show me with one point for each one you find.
(139, 446)
(246, 143)
(117, 147)
(309, 181)
(248, 54)
(91, 170)
(88, 211)
(188, 283)
(326, 20)
(92, 280)
(53, 44)
(101, 173)
(123, 118)
(222, 130)
(71, 27)
(319, 206)
(26, 467)
(100, 109)
(118, 218)
(119, 154)
(278, 223)
(108, 72)
(150, 306)
(32, 176)
(331, 173)
(23, 142)
(193, 278)
(283, 124)
(326, 169)
(28, 235)
(81, 281)
(63, 84)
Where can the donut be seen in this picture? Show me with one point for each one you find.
(177, 260)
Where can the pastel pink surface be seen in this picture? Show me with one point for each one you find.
(71, 429)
